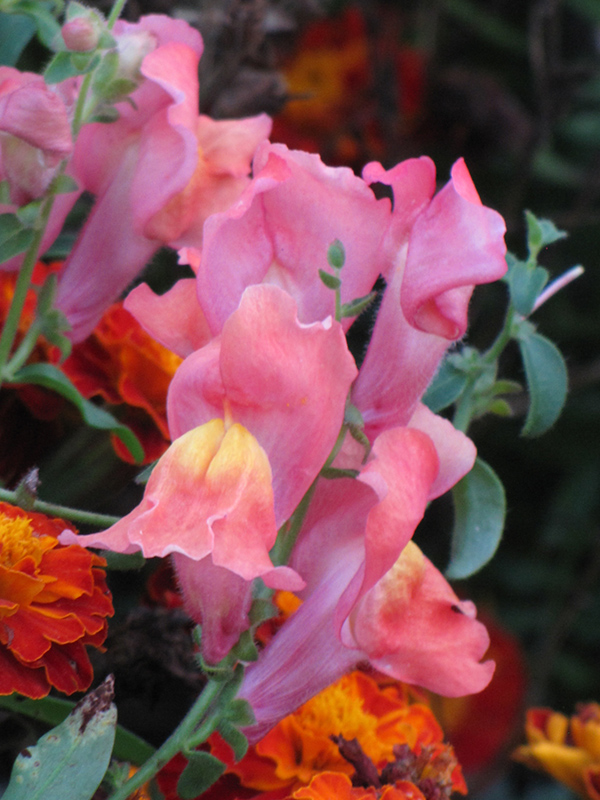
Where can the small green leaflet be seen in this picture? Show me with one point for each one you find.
(71, 759)
(445, 388)
(547, 381)
(479, 511)
(201, 771)
(51, 377)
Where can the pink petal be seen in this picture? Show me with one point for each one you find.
(418, 631)
(456, 451)
(455, 244)
(174, 319)
(283, 381)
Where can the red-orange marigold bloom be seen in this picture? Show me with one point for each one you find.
(53, 602)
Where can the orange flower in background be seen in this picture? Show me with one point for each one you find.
(53, 602)
(379, 735)
(567, 749)
(118, 361)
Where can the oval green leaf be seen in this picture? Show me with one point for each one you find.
(71, 759)
(51, 377)
(547, 382)
(445, 388)
(479, 511)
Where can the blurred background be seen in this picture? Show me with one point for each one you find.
(514, 87)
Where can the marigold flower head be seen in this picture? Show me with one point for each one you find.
(567, 749)
(53, 602)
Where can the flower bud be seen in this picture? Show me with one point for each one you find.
(80, 34)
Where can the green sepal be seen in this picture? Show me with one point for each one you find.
(69, 65)
(540, 233)
(26, 491)
(479, 512)
(106, 115)
(547, 381)
(525, 283)
(233, 686)
(356, 307)
(14, 238)
(330, 281)
(234, 738)
(29, 213)
(120, 562)
(240, 713)
(245, 649)
(71, 759)
(261, 610)
(446, 387)
(336, 254)
(201, 771)
(51, 377)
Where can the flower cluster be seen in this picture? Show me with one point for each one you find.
(294, 463)
(53, 602)
(567, 749)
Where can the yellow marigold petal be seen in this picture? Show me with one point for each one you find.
(565, 764)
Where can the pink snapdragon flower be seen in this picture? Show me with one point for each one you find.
(371, 594)
(253, 415)
(432, 249)
(157, 172)
(439, 247)
(35, 136)
(35, 133)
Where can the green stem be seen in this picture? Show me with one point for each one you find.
(64, 512)
(24, 350)
(13, 318)
(79, 116)
(464, 408)
(174, 744)
(286, 539)
(503, 337)
(115, 13)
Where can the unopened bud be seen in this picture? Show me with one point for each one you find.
(80, 34)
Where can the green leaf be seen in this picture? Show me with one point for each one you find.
(501, 408)
(447, 385)
(70, 760)
(261, 610)
(201, 771)
(51, 377)
(234, 738)
(53, 710)
(547, 381)
(48, 28)
(479, 511)
(28, 214)
(540, 233)
(336, 254)
(15, 244)
(330, 281)
(525, 283)
(15, 33)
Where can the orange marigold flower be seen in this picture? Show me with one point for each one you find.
(53, 602)
(300, 746)
(567, 749)
(333, 786)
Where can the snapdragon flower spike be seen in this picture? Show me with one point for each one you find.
(439, 247)
(371, 594)
(254, 415)
(157, 171)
